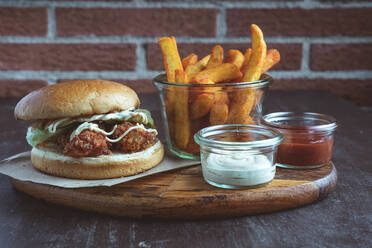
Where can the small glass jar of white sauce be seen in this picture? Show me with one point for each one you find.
(238, 156)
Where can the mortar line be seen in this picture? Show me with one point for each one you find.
(305, 61)
(221, 23)
(183, 39)
(51, 23)
(141, 64)
(190, 5)
(134, 75)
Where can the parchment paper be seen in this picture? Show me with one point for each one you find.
(19, 167)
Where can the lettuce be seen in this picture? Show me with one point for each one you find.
(139, 120)
(36, 136)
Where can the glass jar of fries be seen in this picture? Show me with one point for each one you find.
(187, 108)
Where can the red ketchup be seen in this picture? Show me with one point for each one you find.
(308, 138)
(305, 150)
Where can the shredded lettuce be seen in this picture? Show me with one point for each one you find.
(139, 120)
(38, 132)
(36, 136)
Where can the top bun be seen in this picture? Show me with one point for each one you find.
(76, 98)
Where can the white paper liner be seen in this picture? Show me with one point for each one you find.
(19, 167)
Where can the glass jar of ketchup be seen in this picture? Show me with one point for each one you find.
(308, 138)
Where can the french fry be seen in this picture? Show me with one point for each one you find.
(201, 105)
(181, 113)
(235, 57)
(219, 73)
(247, 56)
(221, 97)
(257, 58)
(172, 61)
(244, 100)
(191, 70)
(219, 113)
(216, 57)
(241, 107)
(271, 59)
(191, 59)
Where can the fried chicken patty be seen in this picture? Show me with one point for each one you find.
(87, 144)
(91, 144)
(136, 140)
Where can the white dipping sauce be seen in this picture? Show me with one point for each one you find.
(238, 169)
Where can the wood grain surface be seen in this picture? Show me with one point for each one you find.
(183, 194)
(342, 220)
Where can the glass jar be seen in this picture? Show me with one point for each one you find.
(187, 108)
(308, 138)
(238, 156)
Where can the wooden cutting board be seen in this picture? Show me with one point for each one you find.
(183, 194)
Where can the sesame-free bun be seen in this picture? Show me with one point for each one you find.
(53, 162)
(76, 98)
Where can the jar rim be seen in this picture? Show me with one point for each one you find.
(266, 79)
(201, 137)
(275, 120)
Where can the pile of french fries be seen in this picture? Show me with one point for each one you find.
(191, 108)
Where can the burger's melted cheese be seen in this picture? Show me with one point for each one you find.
(123, 115)
(94, 127)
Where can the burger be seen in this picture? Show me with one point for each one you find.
(89, 129)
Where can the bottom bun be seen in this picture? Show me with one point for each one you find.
(55, 163)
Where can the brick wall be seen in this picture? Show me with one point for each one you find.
(324, 44)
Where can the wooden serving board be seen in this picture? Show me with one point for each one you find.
(183, 194)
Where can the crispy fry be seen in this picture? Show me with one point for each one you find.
(204, 79)
(216, 57)
(201, 105)
(219, 113)
(244, 100)
(221, 97)
(172, 61)
(247, 56)
(191, 59)
(191, 70)
(271, 59)
(235, 57)
(219, 73)
(240, 108)
(257, 58)
(181, 115)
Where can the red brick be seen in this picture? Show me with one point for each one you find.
(19, 88)
(290, 53)
(335, 57)
(84, 57)
(136, 22)
(357, 90)
(23, 21)
(141, 86)
(301, 22)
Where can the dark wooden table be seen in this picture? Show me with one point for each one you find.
(344, 219)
